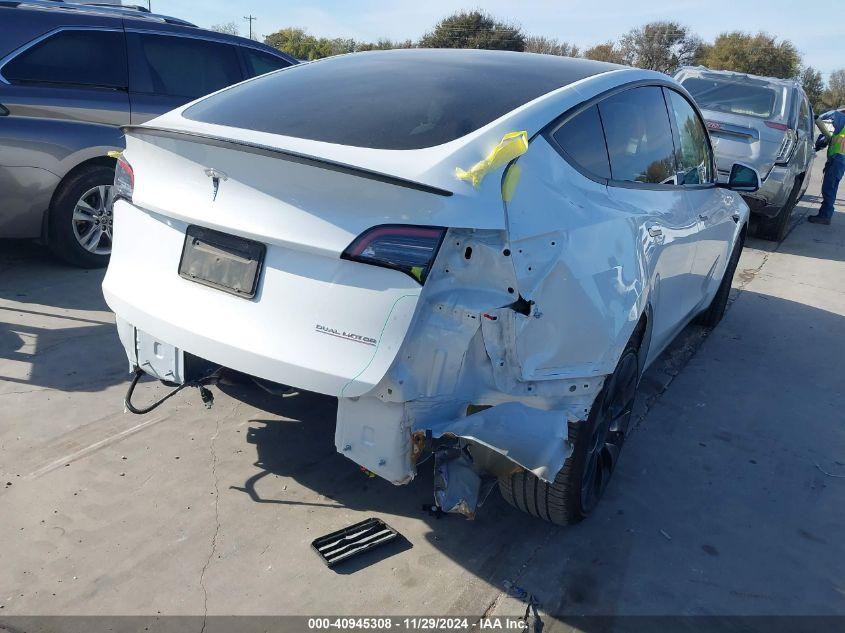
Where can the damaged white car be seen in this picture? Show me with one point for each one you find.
(476, 252)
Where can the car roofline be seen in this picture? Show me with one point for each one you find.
(105, 10)
(772, 81)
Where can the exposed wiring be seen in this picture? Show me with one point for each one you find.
(205, 394)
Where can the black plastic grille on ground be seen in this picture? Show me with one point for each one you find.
(353, 540)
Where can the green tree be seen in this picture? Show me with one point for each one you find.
(383, 44)
(302, 45)
(660, 46)
(834, 96)
(811, 80)
(296, 42)
(760, 54)
(550, 46)
(607, 52)
(474, 29)
(337, 46)
(230, 28)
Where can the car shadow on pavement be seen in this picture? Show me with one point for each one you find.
(817, 241)
(85, 358)
(55, 328)
(30, 274)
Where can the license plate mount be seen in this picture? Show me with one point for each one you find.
(221, 261)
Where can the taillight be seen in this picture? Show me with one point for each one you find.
(410, 249)
(787, 146)
(124, 180)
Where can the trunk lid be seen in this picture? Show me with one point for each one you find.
(317, 322)
(742, 139)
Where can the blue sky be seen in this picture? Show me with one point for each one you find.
(814, 26)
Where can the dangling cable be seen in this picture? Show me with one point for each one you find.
(127, 400)
(205, 394)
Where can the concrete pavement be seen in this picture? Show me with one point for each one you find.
(729, 498)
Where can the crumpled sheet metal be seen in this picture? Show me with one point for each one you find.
(513, 144)
(456, 484)
(535, 439)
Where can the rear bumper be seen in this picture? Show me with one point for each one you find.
(773, 193)
(274, 336)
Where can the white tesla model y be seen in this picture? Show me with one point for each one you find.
(476, 252)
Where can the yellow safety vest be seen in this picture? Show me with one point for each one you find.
(837, 144)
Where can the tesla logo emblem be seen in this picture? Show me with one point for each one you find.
(216, 176)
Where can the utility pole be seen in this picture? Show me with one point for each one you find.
(250, 17)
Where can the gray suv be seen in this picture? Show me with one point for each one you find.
(765, 123)
(70, 76)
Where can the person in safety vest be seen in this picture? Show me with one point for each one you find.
(832, 125)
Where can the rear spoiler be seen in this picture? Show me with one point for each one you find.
(283, 154)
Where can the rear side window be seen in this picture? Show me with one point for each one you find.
(638, 136)
(693, 152)
(804, 118)
(260, 62)
(83, 57)
(180, 66)
(582, 140)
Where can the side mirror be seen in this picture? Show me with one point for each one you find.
(743, 178)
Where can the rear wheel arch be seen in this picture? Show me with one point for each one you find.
(97, 161)
(85, 241)
(563, 501)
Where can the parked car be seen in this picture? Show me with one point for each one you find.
(474, 272)
(70, 76)
(766, 123)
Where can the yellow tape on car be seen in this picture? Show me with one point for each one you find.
(513, 144)
(510, 182)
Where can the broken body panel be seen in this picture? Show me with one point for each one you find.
(527, 307)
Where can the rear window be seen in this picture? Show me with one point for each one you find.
(80, 57)
(731, 96)
(406, 99)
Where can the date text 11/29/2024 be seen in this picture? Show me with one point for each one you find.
(420, 623)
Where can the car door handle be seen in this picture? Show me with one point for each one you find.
(653, 231)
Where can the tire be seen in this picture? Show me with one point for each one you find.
(597, 443)
(774, 229)
(80, 215)
(716, 310)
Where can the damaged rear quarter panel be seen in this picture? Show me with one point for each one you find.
(573, 256)
(508, 379)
